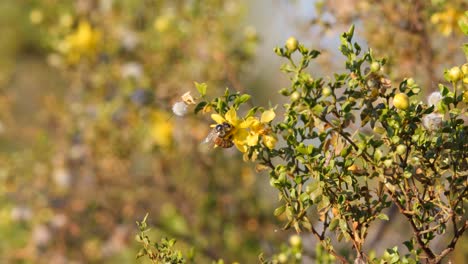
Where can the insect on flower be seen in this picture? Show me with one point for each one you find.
(221, 135)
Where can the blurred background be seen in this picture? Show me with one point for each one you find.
(88, 142)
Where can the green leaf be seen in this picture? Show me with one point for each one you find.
(201, 87)
(334, 223)
(357, 48)
(317, 110)
(287, 68)
(200, 106)
(307, 225)
(314, 53)
(323, 204)
(279, 211)
(382, 216)
(252, 112)
(242, 99)
(350, 33)
(409, 245)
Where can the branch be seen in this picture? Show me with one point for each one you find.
(451, 245)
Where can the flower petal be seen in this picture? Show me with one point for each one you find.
(252, 140)
(249, 122)
(217, 118)
(269, 141)
(231, 117)
(240, 135)
(241, 147)
(267, 116)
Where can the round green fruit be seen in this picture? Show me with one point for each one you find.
(401, 149)
(295, 241)
(326, 91)
(295, 96)
(401, 101)
(375, 66)
(292, 44)
(455, 74)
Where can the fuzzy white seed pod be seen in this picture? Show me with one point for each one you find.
(180, 108)
(432, 121)
(434, 98)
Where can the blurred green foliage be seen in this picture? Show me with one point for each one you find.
(89, 143)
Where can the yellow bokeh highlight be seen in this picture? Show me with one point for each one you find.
(162, 129)
(83, 42)
(446, 21)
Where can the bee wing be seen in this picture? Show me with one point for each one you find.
(210, 137)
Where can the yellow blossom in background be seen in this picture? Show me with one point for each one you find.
(36, 16)
(239, 132)
(81, 43)
(446, 21)
(66, 20)
(163, 23)
(258, 128)
(162, 129)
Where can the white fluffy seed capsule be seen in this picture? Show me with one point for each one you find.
(434, 98)
(180, 108)
(432, 121)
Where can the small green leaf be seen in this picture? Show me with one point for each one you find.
(334, 223)
(314, 53)
(323, 204)
(200, 107)
(242, 99)
(350, 33)
(382, 216)
(201, 87)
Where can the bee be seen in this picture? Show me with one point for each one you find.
(221, 135)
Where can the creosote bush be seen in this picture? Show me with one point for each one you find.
(346, 148)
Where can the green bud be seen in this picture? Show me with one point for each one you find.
(295, 241)
(455, 74)
(401, 149)
(375, 66)
(272, 182)
(464, 69)
(295, 96)
(378, 154)
(292, 44)
(388, 163)
(410, 82)
(284, 92)
(401, 101)
(326, 91)
(282, 258)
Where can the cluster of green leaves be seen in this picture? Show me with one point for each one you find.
(354, 145)
(289, 253)
(162, 252)
(222, 104)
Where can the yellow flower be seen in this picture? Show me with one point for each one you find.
(162, 130)
(36, 16)
(446, 20)
(239, 132)
(83, 42)
(163, 23)
(258, 128)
